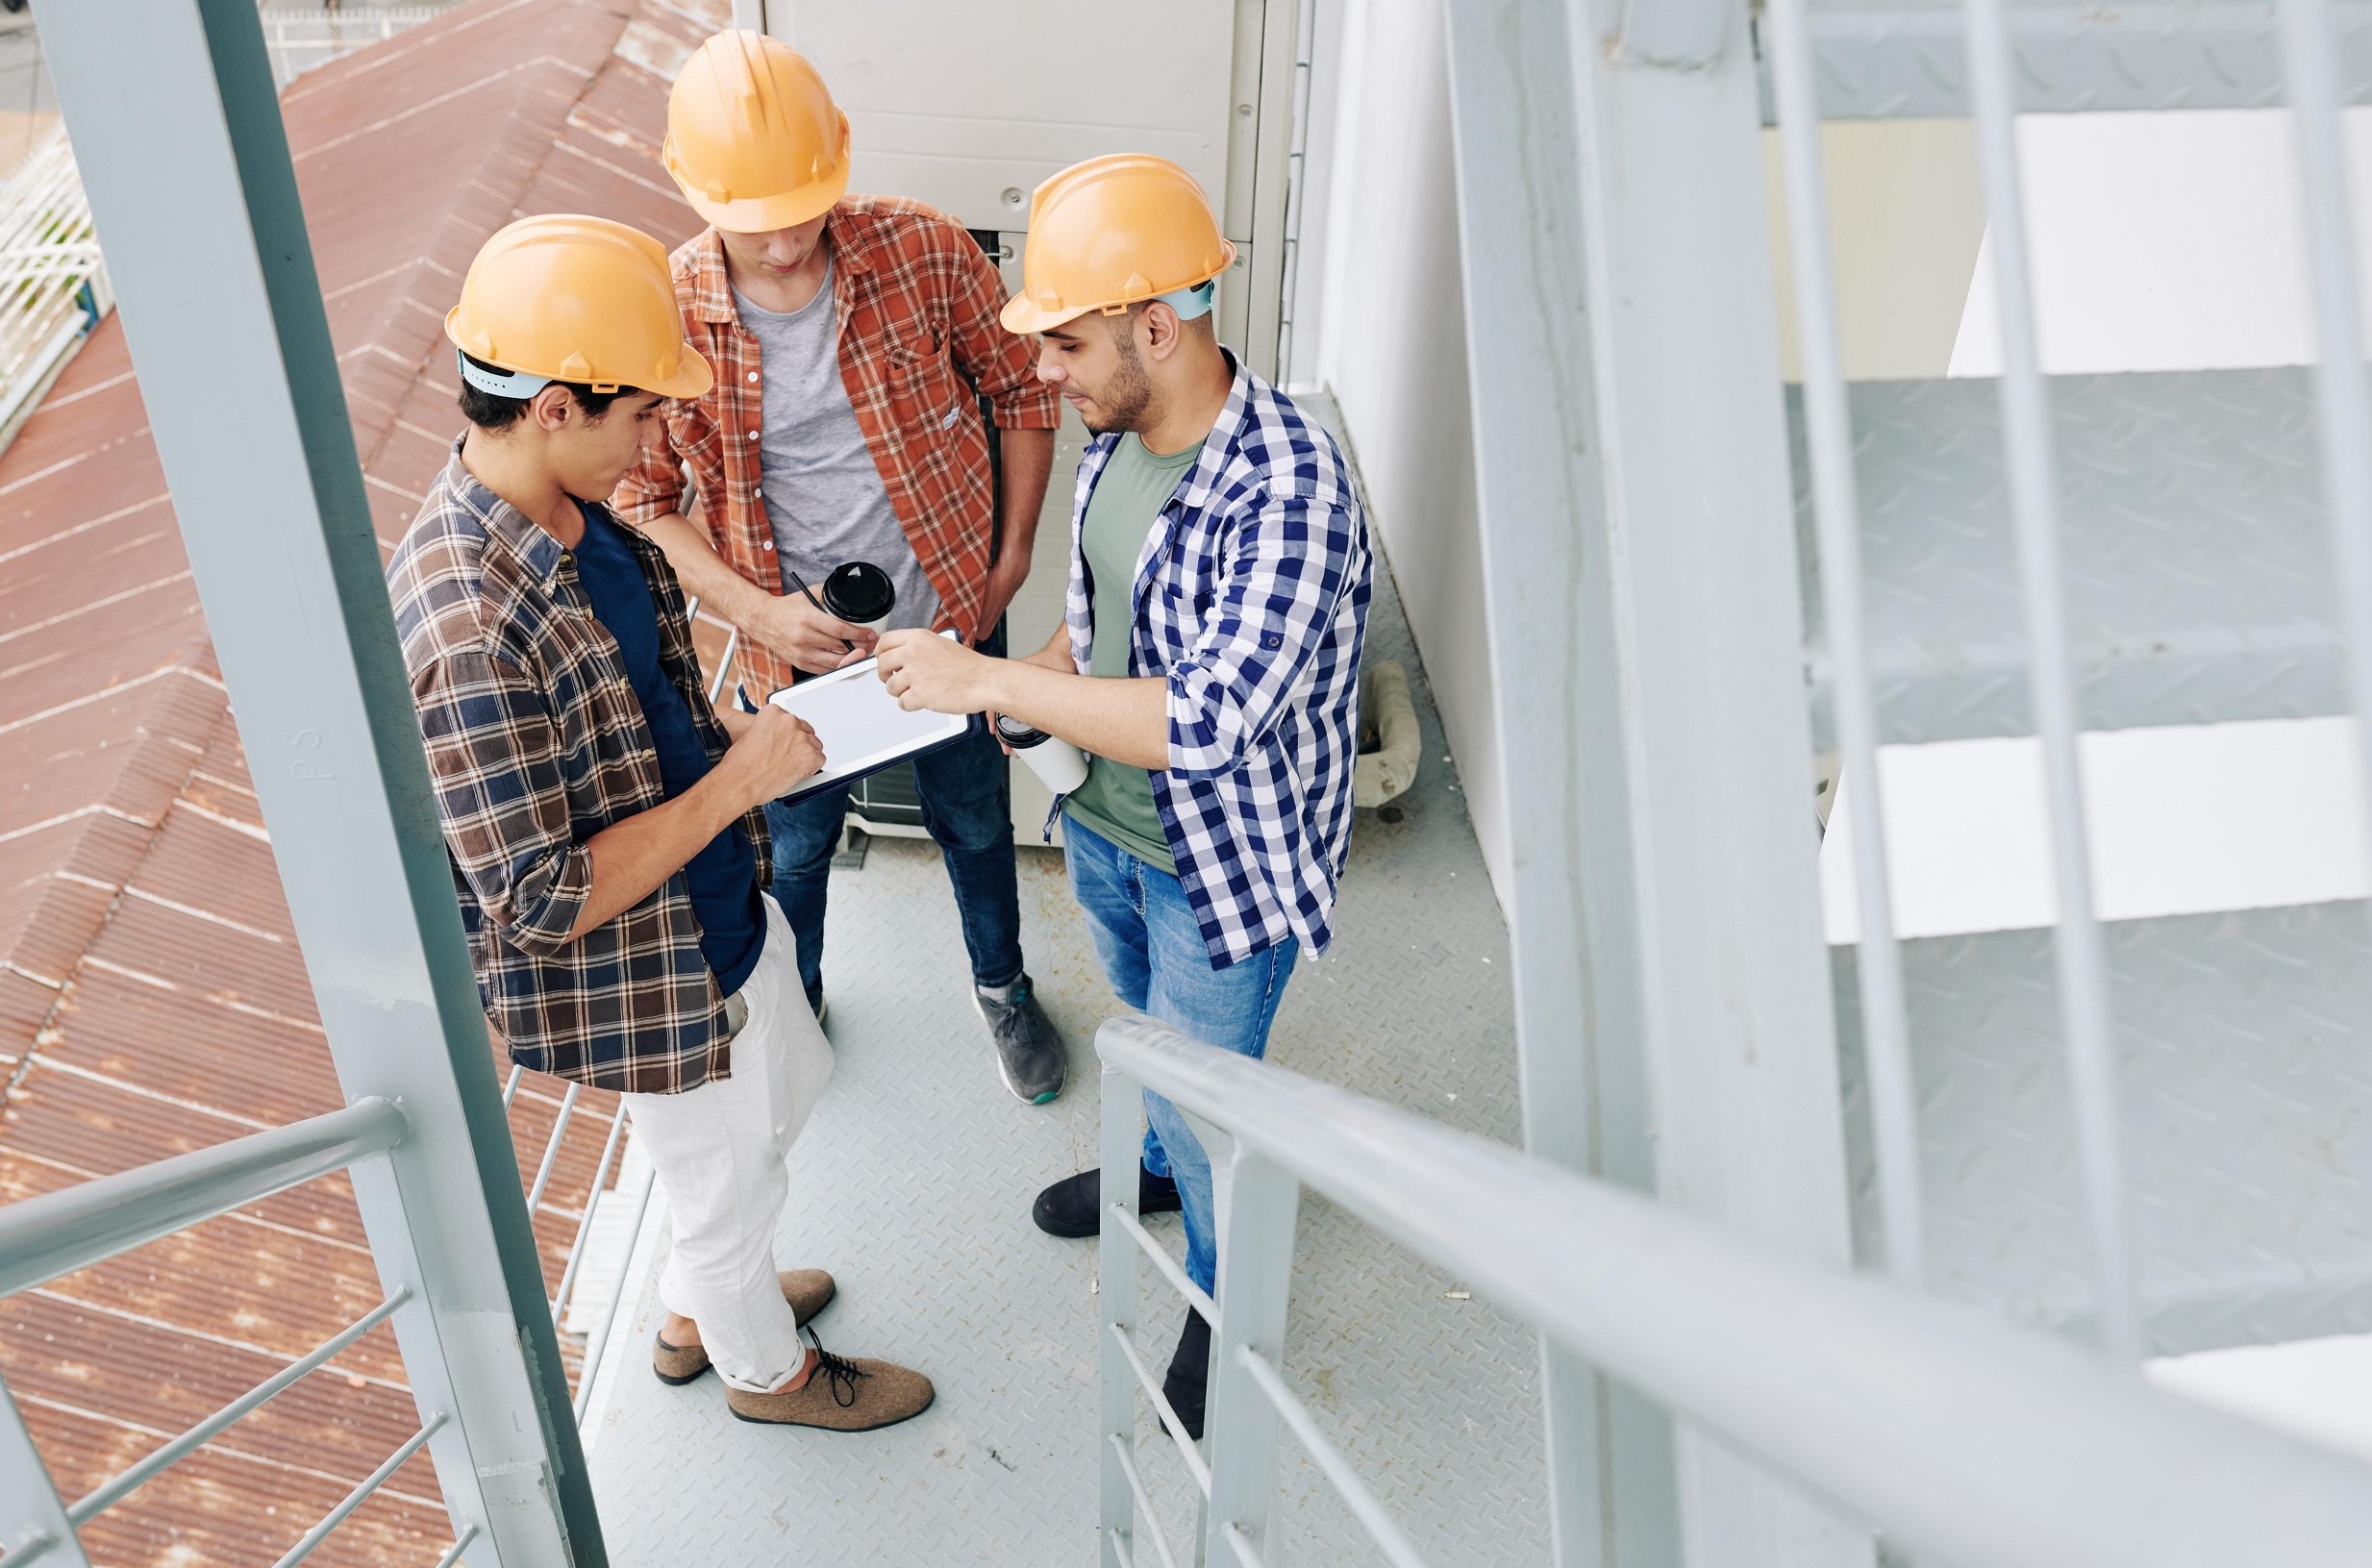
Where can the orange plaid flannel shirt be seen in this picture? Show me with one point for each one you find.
(918, 303)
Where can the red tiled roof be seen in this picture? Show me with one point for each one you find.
(152, 998)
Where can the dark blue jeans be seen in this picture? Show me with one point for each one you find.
(966, 805)
(1152, 947)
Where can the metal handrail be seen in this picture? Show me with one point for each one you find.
(124, 1482)
(1144, 1500)
(1166, 1413)
(56, 1233)
(2087, 1024)
(1965, 1437)
(585, 1221)
(461, 1544)
(1166, 1265)
(1365, 1506)
(1836, 515)
(597, 1347)
(363, 1491)
(551, 1147)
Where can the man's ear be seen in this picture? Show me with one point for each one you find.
(551, 408)
(1161, 329)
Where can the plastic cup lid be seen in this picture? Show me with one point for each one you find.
(860, 591)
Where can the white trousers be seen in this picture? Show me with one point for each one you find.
(718, 1151)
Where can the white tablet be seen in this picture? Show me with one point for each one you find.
(862, 726)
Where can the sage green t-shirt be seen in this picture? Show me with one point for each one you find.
(1117, 802)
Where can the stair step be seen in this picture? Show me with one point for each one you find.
(2248, 1152)
(1899, 61)
(2198, 561)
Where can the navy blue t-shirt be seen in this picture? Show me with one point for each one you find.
(723, 876)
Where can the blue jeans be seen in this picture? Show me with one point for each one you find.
(966, 791)
(1152, 947)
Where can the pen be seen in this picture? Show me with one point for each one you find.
(800, 582)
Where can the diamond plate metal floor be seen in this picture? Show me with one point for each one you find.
(2241, 1066)
(2198, 563)
(913, 1184)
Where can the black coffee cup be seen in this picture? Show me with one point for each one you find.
(861, 594)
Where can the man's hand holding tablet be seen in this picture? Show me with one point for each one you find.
(862, 726)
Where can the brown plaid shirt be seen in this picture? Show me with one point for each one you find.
(917, 303)
(536, 742)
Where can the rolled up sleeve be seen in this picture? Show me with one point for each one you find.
(494, 760)
(654, 487)
(1002, 364)
(1276, 604)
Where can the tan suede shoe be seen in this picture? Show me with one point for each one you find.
(842, 1394)
(808, 1290)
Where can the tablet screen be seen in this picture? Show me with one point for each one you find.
(860, 724)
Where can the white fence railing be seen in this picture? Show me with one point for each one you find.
(1962, 1437)
(299, 40)
(53, 286)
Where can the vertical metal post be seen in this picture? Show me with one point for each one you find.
(1675, 1024)
(1256, 1264)
(178, 135)
(1115, 1302)
(1296, 187)
(2033, 498)
(597, 1346)
(34, 1527)
(2311, 56)
(1580, 1006)
(1259, 140)
(1837, 510)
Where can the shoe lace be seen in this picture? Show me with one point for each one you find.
(842, 1372)
(1009, 1021)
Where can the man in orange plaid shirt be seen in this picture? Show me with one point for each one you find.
(852, 338)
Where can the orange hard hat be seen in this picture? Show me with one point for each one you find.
(1110, 232)
(754, 139)
(565, 297)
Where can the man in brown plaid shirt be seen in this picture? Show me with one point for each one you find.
(601, 818)
(852, 336)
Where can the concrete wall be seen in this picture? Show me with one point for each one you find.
(1391, 348)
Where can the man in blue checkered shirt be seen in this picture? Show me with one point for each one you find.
(1209, 662)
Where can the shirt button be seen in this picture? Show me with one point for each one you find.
(752, 375)
(752, 435)
(765, 544)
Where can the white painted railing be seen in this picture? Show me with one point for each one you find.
(300, 40)
(1962, 1438)
(53, 286)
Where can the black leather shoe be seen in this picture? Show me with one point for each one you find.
(1188, 1380)
(1074, 1206)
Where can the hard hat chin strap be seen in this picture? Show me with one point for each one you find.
(1192, 301)
(500, 383)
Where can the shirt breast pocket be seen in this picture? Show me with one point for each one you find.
(694, 439)
(1183, 607)
(925, 395)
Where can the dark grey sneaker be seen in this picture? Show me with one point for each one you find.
(1029, 1053)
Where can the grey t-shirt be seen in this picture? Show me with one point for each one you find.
(823, 493)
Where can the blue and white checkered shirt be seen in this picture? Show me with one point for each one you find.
(1251, 601)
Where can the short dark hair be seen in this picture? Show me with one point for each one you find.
(488, 411)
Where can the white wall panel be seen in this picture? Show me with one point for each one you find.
(968, 107)
(1393, 350)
